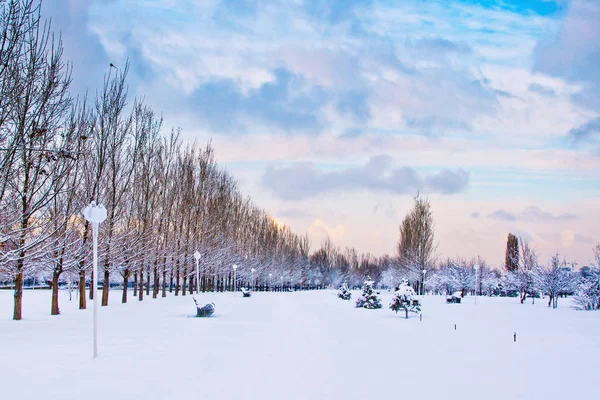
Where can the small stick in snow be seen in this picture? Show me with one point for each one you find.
(454, 326)
(515, 336)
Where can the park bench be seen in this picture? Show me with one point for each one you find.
(455, 298)
(205, 311)
(246, 292)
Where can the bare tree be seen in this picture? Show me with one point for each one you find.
(64, 209)
(553, 280)
(528, 264)
(416, 246)
(42, 158)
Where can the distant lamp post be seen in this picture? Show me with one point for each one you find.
(252, 271)
(197, 257)
(423, 286)
(282, 283)
(476, 273)
(235, 267)
(96, 214)
(270, 288)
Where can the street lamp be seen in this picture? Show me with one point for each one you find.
(476, 273)
(252, 270)
(197, 257)
(96, 214)
(235, 267)
(423, 286)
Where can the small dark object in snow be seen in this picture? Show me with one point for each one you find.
(205, 311)
(246, 293)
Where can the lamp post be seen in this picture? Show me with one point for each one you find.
(96, 214)
(235, 267)
(197, 257)
(476, 273)
(270, 276)
(423, 286)
(252, 271)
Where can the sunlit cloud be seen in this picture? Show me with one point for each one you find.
(472, 104)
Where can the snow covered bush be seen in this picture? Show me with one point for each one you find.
(587, 294)
(489, 281)
(344, 292)
(453, 275)
(553, 280)
(404, 300)
(369, 298)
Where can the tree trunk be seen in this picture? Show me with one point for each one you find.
(82, 299)
(406, 310)
(125, 286)
(164, 284)
(105, 286)
(550, 297)
(156, 282)
(171, 282)
(17, 313)
(135, 284)
(55, 310)
(192, 285)
(184, 284)
(148, 281)
(177, 283)
(141, 292)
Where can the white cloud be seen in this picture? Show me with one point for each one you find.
(474, 105)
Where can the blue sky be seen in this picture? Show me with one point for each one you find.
(326, 111)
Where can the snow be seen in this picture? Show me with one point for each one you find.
(302, 345)
(405, 290)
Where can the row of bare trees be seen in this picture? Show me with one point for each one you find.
(527, 276)
(166, 198)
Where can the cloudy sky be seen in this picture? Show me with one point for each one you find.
(332, 114)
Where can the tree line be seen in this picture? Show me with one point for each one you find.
(166, 198)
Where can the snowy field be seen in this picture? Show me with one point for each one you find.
(304, 345)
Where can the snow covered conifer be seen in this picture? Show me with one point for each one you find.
(344, 292)
(404, 300)
(369, 298)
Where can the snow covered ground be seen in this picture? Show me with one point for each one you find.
(304, 345)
